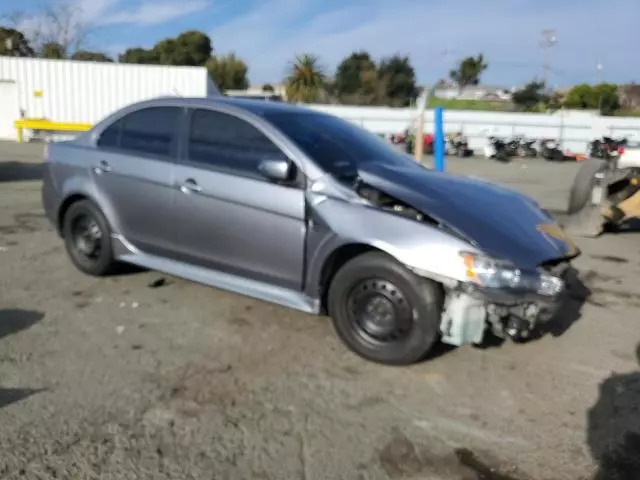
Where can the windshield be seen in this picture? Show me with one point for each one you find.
(335, 145)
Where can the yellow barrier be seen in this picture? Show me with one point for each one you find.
(40, 124)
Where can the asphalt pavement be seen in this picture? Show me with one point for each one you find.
(147, 376)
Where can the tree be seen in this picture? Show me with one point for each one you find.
(191, 48)
(469, 71)
(61, 23)
(581, 97)
(306, 80)
(603, 97)
(87, 56)
(531, 97)
(356, 80)
(228, 72)
(268, 88)
(52, 50)
(13, 43)
(139, 56)
(398, 81)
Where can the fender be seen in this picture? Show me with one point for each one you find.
(76, 185)
(424, 248)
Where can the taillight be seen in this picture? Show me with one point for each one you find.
(620, 150)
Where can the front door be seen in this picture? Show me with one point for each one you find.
(230, 217)
(133, 170)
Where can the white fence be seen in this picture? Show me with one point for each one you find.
(574, 129)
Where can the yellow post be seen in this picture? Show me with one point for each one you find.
(418, 143)
(19, 134)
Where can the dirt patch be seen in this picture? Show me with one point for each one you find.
(604, 292)
(25, 223)
(401, 458)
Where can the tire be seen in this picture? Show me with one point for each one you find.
(583, 184)
(413, 301)
(83, 224)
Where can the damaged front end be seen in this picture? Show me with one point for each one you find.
(507, 301)
(492, 295)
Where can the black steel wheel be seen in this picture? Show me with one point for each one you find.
(383, 312)
(87, 238)
(379, 311)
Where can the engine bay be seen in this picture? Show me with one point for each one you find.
(389, 203)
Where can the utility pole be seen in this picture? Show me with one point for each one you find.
(599, 67)
(547, 41)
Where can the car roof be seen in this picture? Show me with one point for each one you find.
(255, 106)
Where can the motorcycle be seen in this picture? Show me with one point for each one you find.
(512, 145)
(408, 138)
(457, 145)
(550, 150)
(607, 148)
(525, 148)
(497, 149)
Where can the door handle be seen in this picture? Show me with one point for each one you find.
(190, 186)
(102, 167)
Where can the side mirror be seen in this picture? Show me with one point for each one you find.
(276, 169)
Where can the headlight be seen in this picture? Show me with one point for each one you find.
(492, 273)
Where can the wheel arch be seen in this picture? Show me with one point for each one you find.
(336, 260)
(64, 208)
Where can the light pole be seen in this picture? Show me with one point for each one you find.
(599, 67)
(548, 40)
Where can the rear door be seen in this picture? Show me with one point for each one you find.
(133, 171)
(230, 217)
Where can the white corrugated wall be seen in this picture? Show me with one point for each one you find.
(85, 92)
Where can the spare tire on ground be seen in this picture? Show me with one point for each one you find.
(583, 184)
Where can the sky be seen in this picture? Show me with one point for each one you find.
(267, 34)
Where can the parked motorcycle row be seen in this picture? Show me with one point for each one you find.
(503, 150)
(517, 146)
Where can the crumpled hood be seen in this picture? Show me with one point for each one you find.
(502, 222)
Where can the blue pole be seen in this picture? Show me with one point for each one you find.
(438, 140)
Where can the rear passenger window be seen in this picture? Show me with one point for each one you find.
(227, 142)
(150, 131)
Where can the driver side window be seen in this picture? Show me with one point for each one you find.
(227, 143)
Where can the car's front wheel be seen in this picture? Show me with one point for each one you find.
(383, 312)
(87, 238)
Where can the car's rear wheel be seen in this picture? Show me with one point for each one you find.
(87, 239)
(383, 312)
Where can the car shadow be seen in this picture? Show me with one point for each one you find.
(440, 349)
(577, 294)
(613, 427)
(630, 226)
(15, 320)
(13, 395)
(19, 171)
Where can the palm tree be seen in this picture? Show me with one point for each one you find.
(306, 79)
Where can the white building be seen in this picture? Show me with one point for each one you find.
(84, 92)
